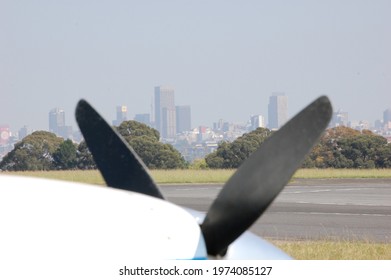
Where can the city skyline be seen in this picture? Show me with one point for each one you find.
(192, 142)
(113, 115)
(224, 58)
(56, 118)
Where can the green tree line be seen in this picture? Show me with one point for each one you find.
(339, 147)
(43, 150)
(343, 147)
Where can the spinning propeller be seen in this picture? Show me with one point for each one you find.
(245, 196)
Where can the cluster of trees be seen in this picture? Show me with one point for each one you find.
(43, 150)
(343, 147)
(145, 142)
(232, 154)
(339, 147)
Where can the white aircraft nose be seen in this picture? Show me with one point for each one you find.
(45, 221)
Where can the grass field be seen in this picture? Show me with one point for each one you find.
(205, 176)
(335, 250)
(303, 250)
(342, 173)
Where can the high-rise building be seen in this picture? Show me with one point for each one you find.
(23, 132)
(183, 118)
(57, 124)
(387, 116)
(143, 118)
(339, 118)
(56, 120)
(277, 110)
(387, 119)
(165, 113)
(65, 132)
(168, 123)
(121, 115)
(257, 121)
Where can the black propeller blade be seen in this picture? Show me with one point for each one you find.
(119, 164)
(260, 178)
(247, 193)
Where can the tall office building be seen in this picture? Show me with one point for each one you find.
(23, 132)
(121, 115)
(339, 118)
(57, 124)
(277, 110)
(56, 120)
(165, 113)
(387, 119)
(183, 118)
(387, 116)
(257, 121)
(143, 118)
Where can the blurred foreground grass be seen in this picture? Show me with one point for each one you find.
(335, 250)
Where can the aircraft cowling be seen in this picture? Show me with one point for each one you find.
(45, 221)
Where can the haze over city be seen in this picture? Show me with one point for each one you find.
(224, 58)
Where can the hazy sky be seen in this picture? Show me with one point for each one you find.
(224, 58)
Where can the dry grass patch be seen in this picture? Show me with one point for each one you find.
(191, 176)
(335, 250)
(342, 173)
(85, 176)
(194, 176)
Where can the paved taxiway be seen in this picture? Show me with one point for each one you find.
(343, 209)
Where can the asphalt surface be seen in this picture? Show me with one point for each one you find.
(341, 209)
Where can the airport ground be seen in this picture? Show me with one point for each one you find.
(316, 218)
(341, 209)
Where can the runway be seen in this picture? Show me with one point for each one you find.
(341, 209)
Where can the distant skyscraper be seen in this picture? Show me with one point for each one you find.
(143, 118)
(168, 123)
(65, 132)
(122, 115)
(57, 124)
(183, 118)
(257, 121)
(387, 116)
(218, 126)
(23, 132)
(277, 110)
(339, 119)
(387, 119)
(165, 113)
(56, 120)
